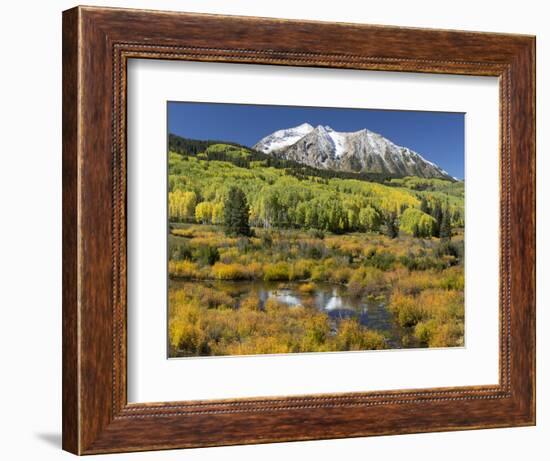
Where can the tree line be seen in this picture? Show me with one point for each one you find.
(271, 210)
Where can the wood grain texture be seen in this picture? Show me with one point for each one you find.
(97, 43)
(70, 384)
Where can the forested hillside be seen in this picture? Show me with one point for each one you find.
(291, 196)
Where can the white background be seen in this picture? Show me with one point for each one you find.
(30, 234)
(152, 378)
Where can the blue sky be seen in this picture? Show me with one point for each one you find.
(437, 136)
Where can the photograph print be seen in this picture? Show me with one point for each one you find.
(311, 229)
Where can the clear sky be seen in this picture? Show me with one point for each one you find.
(437, 136)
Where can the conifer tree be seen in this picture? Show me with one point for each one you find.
(445, 229)
(392, 225)
(424, 205)
(437, 213)
(236, 213)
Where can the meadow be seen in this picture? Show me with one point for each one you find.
(254, 245)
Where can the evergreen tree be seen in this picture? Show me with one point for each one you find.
(445, 229)
(424, 206)
(235, 213)
(437, 213)
(392, 225)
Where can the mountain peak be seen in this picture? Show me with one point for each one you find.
(358, 151)
(323, 128)
(283, 138)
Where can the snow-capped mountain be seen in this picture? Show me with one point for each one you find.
(359, 151)
(284, 138)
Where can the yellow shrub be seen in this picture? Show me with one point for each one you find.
(407, 310)
(366, 280)
(223, 271)
(352, 336)
(319, 274)
(300, 270)
(183, 269)
(436, 315)
(187, 233)
(340, 275)
(276, 272)
(251, 303)
(307, 288)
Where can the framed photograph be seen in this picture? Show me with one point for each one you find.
(284, 230)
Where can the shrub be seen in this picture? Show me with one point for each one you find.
(319, 274)
(234, 271)
(317, 333)
(406, 309)
(421, 263)
(365, 280)
(436, 316)
(424, 331)
(183, 269)
(266, 240)
(251, 303)
(382, 260)
(453, 279)
(276, 272)
(448, 248)
(311, 249)
(244, 245)
(187, 233)
(307, 288)
(434, 334)
(272, 306)
(317, 233)
(340, 275)
(179, 252)
(207, 255)
(352, 336)
(300, 270)
(416, 282)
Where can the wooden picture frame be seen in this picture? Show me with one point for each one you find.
(97, 43)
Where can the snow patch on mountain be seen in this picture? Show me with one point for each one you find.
(339, 141)
(283, 138)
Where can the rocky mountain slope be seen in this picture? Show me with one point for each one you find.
(358, 151)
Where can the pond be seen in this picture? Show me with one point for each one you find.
(332, 299)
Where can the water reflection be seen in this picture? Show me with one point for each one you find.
(335, 302)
